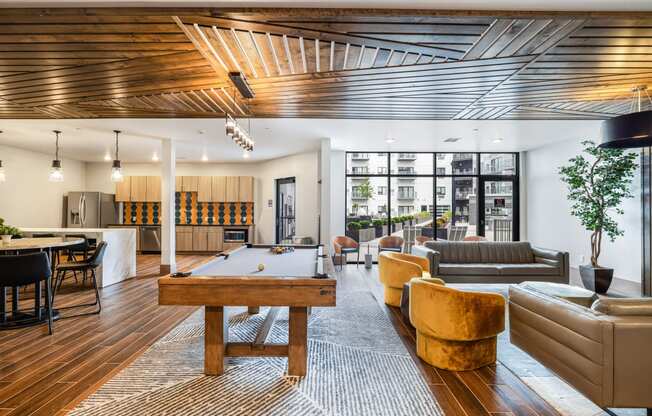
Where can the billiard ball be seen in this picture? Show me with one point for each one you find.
(261, 267)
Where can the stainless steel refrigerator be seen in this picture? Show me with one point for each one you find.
(91, 210)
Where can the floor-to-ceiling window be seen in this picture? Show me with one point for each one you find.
(449, 196)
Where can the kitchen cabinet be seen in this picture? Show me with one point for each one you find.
(218, 188)
(138, 188)
(184, 236)
(178, 184)
(246, 189)
(153, 189)
(232, 188)
(215, 238)
(200, 239)
(204, 189)
(190, 183)
(123, 190)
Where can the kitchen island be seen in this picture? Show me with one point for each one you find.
(120, 256)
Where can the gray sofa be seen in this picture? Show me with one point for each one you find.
(493, 262)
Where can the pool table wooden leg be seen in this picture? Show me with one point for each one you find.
(298, 341)
(216, 335)
(253, 310)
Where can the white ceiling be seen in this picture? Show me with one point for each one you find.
(90, 140)
(511, 5)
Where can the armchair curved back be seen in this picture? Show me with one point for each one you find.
(395, 269)
(420, 239)
(447, 313)
(390, 241)
(342, 241)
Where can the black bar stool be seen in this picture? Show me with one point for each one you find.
(23, 270)
(88, 265)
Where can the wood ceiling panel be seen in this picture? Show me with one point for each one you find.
(332, 63)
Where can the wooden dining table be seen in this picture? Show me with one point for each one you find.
(20, 245)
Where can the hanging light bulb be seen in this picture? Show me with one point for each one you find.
(56, 171)
(116, 169)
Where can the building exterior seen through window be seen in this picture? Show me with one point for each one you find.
(443, 195)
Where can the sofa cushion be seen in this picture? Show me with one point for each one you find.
(505, 252)
(468, 269)
(533, 269)
(457, 252)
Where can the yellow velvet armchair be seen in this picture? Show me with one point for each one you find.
(396, 269)
(456, 330)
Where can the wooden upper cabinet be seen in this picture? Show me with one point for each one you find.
(204, 189)
(153, 189)
(139, 188)
(178, 184)
(232, 188)
(218, 189)
(190, 183)
(246, 189)
(123, 190)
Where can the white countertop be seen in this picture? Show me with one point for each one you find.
(71, 230)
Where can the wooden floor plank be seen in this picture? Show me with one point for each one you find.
(42, 374)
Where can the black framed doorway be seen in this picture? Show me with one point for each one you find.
(286, 221)
(498, 208)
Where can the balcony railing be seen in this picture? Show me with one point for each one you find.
(406, 195)
(356, 195)
(462, 156)
(407, 156)
(360, 170)
(359, 156)
(406, 171)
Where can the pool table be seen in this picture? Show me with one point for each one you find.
(297, 279)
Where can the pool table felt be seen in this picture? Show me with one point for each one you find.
(245, 261)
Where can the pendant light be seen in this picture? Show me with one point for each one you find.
(2, 170)
(629, 130)
(56, 171)
(116, 170)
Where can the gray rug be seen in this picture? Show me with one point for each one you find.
(357, 365)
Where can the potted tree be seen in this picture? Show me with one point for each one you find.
(596, 187)
(7, 232)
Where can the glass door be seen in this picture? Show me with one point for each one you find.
(285, 210)
(497, 207)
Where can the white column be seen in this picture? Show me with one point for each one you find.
(325, 192)
(168, 174)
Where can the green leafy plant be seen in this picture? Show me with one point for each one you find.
(365, 224)
(597, 185)
(354, 225)
(378, 223)
(8, 230)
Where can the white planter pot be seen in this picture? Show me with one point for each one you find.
(6, 238)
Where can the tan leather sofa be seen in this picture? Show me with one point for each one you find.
(602, 351)
(493, 262)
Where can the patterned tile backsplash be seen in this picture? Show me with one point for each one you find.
(188, 211)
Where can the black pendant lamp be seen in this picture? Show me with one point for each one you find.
(629, 130)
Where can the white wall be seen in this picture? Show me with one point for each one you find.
(303, 166)
(549, 223)
(27, 198)
(338, 184)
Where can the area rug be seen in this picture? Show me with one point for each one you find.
(357, 365)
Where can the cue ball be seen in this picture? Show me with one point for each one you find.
(261, 267)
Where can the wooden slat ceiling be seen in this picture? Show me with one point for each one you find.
(87, 63)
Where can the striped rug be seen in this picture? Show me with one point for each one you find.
(357, 365)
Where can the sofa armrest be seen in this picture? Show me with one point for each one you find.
(624, 307)
(559, 259)
(432, 256)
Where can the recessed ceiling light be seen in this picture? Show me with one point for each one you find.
(498, 140)
(204, 158)
(246, 155)
(154, 157)
(107, 157)
(453, 139)
(390, 140)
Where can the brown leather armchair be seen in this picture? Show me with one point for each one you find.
(343, 246)
(390, 243)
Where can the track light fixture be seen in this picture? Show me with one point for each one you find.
(238, 134)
